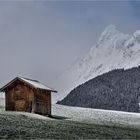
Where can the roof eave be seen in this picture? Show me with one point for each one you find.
(54, 91)
(5, 86)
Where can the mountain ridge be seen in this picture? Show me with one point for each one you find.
(115, 90)
(113, 50)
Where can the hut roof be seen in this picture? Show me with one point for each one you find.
(33, 83)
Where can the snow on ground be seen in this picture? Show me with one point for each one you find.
(2, 101)
(85, 115)
(97, 116)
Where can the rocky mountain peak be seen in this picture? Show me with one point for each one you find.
(109, 32)
(113, 50)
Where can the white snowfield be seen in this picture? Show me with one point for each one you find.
(98, 116)
(2, 101)
(113, 50)
(85, 115)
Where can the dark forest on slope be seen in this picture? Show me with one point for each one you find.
(115, 90)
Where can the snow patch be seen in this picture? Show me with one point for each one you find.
(97, 116)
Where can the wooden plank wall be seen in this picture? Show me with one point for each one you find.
(42, 100)
(20, 97)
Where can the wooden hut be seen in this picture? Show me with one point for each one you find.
(22, 94)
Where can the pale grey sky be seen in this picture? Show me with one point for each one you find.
(40, 39)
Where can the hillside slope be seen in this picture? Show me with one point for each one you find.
(20, 125)
(113, 50)
(115, 90)
(98, 116)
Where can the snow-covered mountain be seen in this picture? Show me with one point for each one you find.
(113, 50)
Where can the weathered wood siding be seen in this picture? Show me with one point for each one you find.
(49, 102)
(42, 102)
(21, 97)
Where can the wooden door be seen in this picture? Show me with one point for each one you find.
(20, 105)
(41, 108)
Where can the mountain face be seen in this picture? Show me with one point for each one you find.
(113, 50)
(115, 90)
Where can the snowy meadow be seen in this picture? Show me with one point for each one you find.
(70, 123)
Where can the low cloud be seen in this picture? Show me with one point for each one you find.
(41, 39)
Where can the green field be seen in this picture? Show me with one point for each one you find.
(23, 126)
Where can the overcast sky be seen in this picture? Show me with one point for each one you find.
(40, 39)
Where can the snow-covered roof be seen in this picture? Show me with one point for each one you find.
(32, 83)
